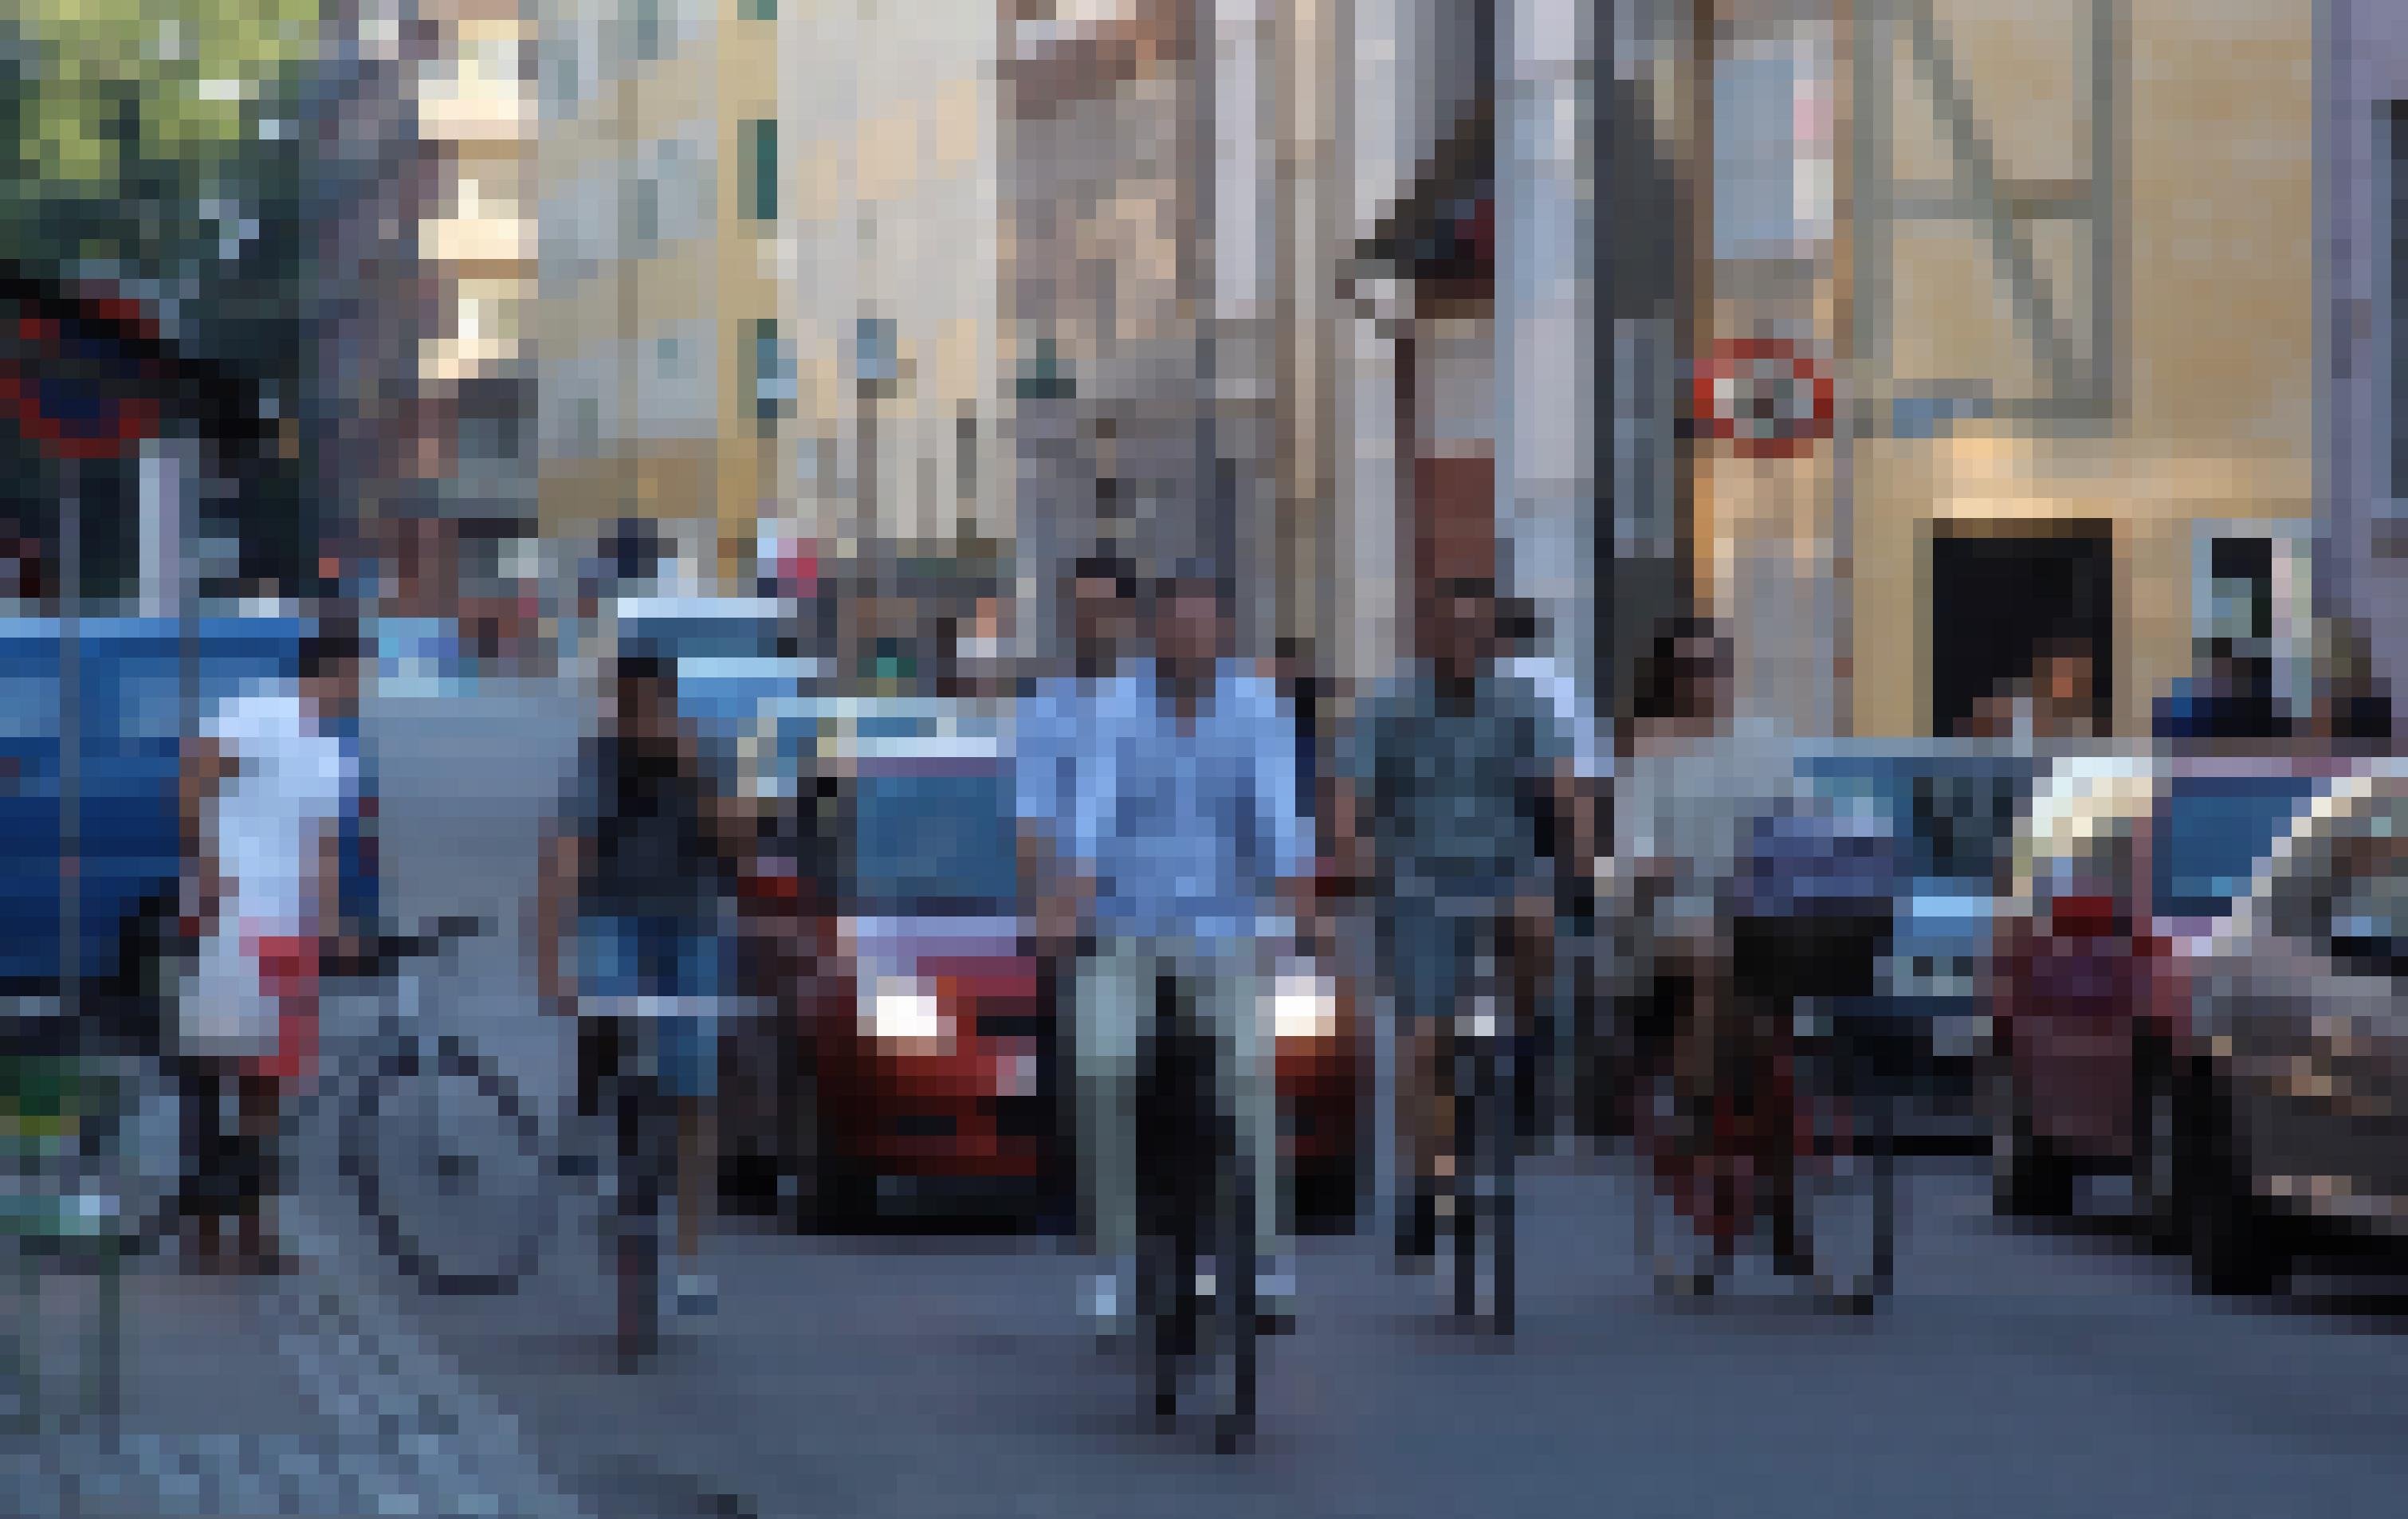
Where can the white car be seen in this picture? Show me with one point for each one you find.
(2292, 1110)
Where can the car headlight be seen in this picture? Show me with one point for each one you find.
(1303, 1007)
(902, 1009)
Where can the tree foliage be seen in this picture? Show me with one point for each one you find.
(105, 85)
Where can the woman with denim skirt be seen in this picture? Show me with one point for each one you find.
(649, 858)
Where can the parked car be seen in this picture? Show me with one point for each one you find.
(132, 709)
(735, 656)
(1952, 811)
(2126, 870)
(2286, 1100)
(1320, 1065)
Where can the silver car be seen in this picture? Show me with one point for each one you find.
(2291, 1113)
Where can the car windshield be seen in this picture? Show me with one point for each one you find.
(1954, 818)
(706, 637)
(934, 839)
(2212, 835)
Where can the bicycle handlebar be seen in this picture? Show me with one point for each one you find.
(388, 952)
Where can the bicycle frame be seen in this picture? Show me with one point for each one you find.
(1194, 1213)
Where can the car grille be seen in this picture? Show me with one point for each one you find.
(1022, 1118)
(1011, 1026)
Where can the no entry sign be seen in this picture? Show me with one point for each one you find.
(82, 388)
(1764, 396)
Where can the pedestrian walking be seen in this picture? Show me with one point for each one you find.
(269, 784)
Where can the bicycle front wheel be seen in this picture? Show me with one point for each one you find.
(449, 1170)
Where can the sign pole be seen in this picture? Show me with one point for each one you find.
(71, 738)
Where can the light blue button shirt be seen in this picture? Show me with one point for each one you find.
(1189, 829)
(1046, 737)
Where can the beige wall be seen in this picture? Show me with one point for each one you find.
(2218, 292)
(723, 75)
(891, 122)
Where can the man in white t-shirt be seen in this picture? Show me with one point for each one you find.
(267, 785)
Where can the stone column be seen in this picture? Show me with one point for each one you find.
(1546, 500)
(166, 479)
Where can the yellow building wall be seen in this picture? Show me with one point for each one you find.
(2217, 381)
(727, 279)
(744, 287)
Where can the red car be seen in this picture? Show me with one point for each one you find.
(928, 1042)
(1319, 1065)
(930, 1046)
(2126, 873)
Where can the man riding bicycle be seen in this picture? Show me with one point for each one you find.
(1184, 837)
(1445, 785)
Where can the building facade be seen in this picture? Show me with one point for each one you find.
(888, 263)
(2057, 290)
(2363, 225)
(662, 366)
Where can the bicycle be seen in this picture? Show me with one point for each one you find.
(1484, 1055)
(1195, 1264)
(455, 1177)
(1796, 1133)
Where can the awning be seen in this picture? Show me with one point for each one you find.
(1444, 231)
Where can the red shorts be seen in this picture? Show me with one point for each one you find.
(288, 972)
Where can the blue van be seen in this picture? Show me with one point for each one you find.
(132, 714)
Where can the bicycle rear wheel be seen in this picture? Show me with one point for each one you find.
(1847, 1174)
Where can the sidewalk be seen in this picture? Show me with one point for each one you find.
(213, 1419)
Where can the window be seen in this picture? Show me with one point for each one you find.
(1046, 375)
(2212, 835)
(965, 456)
(648, 215)
(490, 439)
(2370, 929)
(773, 376)
(760, 170)
(2343, 893)
(1772, 180)
(873, 350)
(647, 30)
(565, 91)
(500, 60)
(758, 10)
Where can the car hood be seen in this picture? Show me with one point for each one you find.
(902, 946)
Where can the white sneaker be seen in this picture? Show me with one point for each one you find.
(696, 1296)
(1275, 1295)
(1106, 1301)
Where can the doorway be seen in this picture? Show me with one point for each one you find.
(2002, 596)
